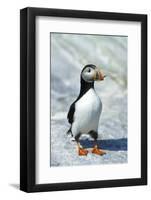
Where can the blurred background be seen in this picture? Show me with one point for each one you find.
(69, 54)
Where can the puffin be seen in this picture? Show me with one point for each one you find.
(84, 113)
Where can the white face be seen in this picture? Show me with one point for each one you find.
(89, 74)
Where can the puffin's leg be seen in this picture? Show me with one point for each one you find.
(81, 150)
(96, 149)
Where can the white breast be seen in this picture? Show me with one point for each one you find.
(87, 113)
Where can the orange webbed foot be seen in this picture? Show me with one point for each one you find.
(83, 152)
(98, 151)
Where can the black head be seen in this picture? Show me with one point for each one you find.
(91, 73)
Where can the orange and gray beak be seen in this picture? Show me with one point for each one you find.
(99, 76)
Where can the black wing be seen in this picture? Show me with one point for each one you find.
(70, 115)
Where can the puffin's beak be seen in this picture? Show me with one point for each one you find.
(99, 76)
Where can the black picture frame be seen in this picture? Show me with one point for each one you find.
(28, 99)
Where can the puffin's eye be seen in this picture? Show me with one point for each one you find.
(89, 70)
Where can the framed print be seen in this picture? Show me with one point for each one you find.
(83, 99)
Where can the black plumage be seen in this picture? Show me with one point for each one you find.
(85, 86)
